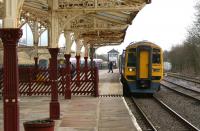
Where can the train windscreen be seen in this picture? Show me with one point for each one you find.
(156, 58)
(132, 58)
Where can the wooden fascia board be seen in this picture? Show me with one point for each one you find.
(107, 44)
(94, 36)
(106, 41)
(100, 9)
(109, 19)
(27, 8)
(119, 14)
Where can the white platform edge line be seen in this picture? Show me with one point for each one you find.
(134, 121)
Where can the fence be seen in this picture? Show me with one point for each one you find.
(36, 81)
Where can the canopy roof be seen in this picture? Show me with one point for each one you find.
(97, 22)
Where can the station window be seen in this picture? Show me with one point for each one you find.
(131, 59)
(156, 56)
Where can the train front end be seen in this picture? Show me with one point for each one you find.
(143, 68)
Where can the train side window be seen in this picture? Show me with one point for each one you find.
(156, 58)
(131, 59)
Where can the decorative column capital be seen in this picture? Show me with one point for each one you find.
(86, 64)
(35, 58)
(10, 36)
(67, 34)
(36, 62)
(53, 52)
(67, 56)
(78, 57)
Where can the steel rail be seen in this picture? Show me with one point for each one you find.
(182, 86)
(144, 115)
(181, 93)
(187, 78)
(192, 127)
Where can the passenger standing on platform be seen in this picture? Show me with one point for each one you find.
(110, 66)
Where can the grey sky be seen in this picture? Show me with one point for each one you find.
(164, 22)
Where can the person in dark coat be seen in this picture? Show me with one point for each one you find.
(110, 67)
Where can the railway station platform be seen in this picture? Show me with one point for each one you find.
(84, 113)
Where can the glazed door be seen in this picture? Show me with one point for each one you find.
(144, 64)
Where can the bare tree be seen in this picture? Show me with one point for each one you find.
(185, 58)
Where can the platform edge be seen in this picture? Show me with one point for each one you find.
(134, 121)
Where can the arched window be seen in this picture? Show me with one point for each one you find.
(61, 41)
(27, 37)
(83, 49)
(1, 23)
(73, 47)
(43, 40)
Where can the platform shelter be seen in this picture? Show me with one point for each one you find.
(90, 23)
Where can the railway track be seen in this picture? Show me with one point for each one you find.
(148, 122)
(182, 90)
(161, 117)
(184, 77)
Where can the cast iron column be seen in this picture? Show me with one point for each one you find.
(78, 70)
(36, 62)
(96, 81)
(10, 37)
(86, 68)
(68, 77)
(86, 62)
(35, 70)
(54, 104)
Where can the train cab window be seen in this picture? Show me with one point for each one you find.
(132, 58)
(132, 50)
(156, 56)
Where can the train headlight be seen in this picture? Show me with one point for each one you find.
(131, 69)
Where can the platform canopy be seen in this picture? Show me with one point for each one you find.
(96, 22)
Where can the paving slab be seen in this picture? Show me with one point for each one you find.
(109, 83)
(114, 115)
(84, 113)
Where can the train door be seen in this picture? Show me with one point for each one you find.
(144, 64)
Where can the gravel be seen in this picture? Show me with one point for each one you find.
(160, 118)
(181, 89)
(186, 107)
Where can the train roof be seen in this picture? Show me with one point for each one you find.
(133, 44)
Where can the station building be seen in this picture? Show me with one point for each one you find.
(113, 56)
(88, 23)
